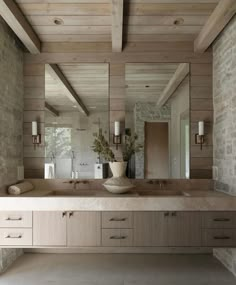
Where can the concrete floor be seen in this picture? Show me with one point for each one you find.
(117, 269)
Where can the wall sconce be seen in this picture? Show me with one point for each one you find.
(200, 137)
(36, 137)
(117, 135)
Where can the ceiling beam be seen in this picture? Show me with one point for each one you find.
(56, 73)
(220, 17)
(51, 109)
(180, 74)
(117, 25)
(18, 23)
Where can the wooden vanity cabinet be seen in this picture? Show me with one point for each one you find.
(83, 229)
(66, 229)
(49, 228)
(167, 229)
(150, 229)
(117, 229)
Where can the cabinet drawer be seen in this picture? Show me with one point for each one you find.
(117, 237)
(218, 237)
(220, 220)
(116, 220)
(15, 237)
(14, 219)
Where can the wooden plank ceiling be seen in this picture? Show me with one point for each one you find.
(90, 21)
(90, 82)
(146, 82)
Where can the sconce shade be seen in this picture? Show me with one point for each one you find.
(117, 128)
(201, 128)
(34, 128)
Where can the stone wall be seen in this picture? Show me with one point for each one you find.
(146, 112)
(11, 119)
(224, 135)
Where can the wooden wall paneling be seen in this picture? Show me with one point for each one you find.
(117, 99)
(18, 23)
(201, 108)
(220, 17)
(34, 102)
(121, 58)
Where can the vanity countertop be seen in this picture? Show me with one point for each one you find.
(43, 200)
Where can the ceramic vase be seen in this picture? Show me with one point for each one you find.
(119, 183)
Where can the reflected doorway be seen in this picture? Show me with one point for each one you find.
(156, 150)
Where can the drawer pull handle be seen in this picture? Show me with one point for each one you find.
(221, 220)
(14, 219)
(63, 214)
(221, 237)
(17, 237)
(117, 219)
(117, 237)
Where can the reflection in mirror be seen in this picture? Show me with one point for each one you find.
(76, 109)
(157, 110)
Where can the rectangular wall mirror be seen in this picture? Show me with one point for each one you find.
(157, 111)
(77, 105)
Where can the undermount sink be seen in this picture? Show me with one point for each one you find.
(163, 193)
(64, 193)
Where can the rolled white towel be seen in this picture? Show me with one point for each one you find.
(20, 188)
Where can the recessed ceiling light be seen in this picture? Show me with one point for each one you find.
(92, 107)
(74, 106)
(58, 21)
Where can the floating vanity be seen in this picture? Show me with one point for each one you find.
(139, 221)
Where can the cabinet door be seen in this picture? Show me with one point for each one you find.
(49, 228)
(184, 229)
(84, 229)
(150, 229)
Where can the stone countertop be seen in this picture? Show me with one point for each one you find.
(40, 200)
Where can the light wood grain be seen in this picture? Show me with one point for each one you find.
(70, 9)
(180, 74)
(15, 219)
(117, 237)
(219, 220)
(222, 14)
(150, 229)
(84, 229)
(219, 237)
(117, 25)
(55, 72)
(51, 109)
(16, 20)
(184, 229)
(15, 237)
(49, 229)
(155, 9)
(113, 220)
